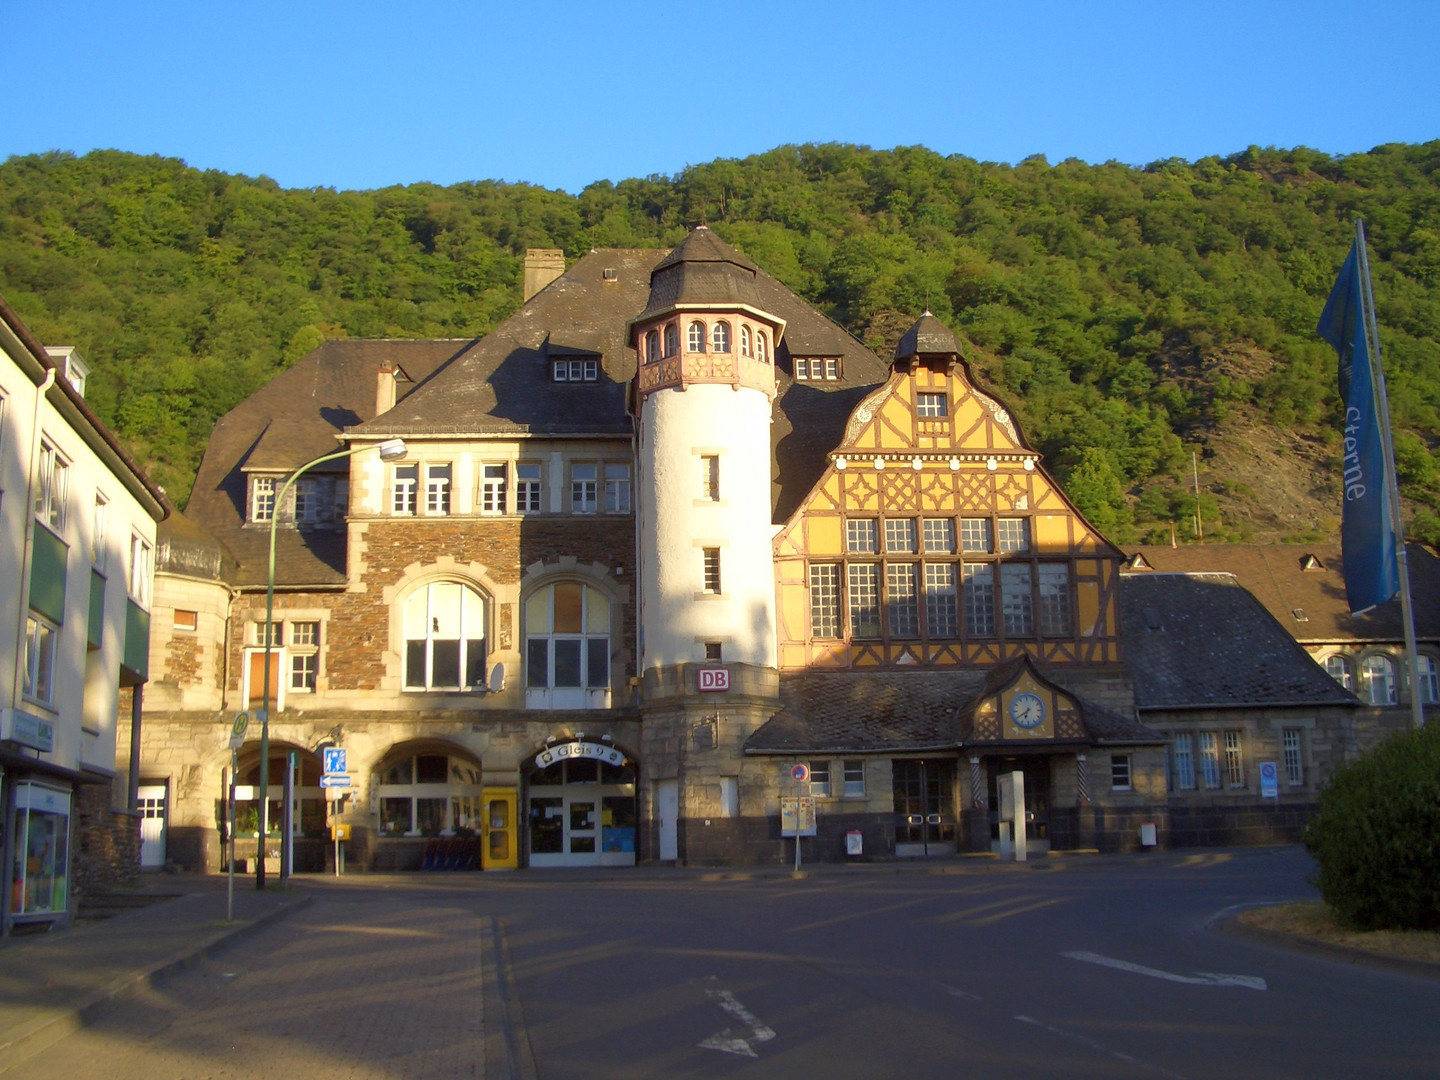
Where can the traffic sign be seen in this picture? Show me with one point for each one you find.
(237, 731)
(336, 780)
(335, 759)
(1269, 780)
(800, 773)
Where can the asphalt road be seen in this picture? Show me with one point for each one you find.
(1068, 967)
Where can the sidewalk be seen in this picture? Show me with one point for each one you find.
(53, 984)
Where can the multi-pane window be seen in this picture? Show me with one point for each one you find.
(437, 489)
(720, 337)
(1054, 599)
(1183, 760)
(901, 603)
(444, 638)
(672, 340)
(51, 488)
(744, 340)
(567, 628)
(817, 367)
(99, 527)
(927, 404)
(824, 600)
(309, 499)
(1209, 760)
(710, 477)
(863, 594)
(1014, 535)
(979, 596)
(141, 564)
(940, 612)
(576, 370)
(854, 776)
(652, 347)
(1380, 679)
(899, 535)
(1120, 772)
(860, 535)
(1427, 679)
(1017, 611)
(1234, 760)
(404, 482)
(262, 498)
(938, 535)
(584, 488)
(1339, 670)
(255, 633)
(975, 535)
(820, 779)
(492, 489)
(527, 488)
(1294, 759)
(710, 569)
(762, 350)
(39, 680)
(617, 489)
(304, 655)
(695, 338)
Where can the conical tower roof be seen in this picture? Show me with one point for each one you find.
(929, 336)
(702, 272)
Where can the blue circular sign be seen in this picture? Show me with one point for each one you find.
(800, 773)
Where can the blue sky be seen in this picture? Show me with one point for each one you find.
(366, 94)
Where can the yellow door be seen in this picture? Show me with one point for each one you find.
(500, 846)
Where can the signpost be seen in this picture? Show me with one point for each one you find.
(1269, 780)
(797, 813)
(237, 740)
(336, 781)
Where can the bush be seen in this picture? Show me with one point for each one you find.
(1376, 836)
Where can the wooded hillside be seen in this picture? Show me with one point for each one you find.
(1129, 315)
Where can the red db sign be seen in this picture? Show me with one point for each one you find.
(714, 678)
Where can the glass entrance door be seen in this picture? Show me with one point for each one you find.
(924, 793)
(582, 813)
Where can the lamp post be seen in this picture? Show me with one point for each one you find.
(390, 450)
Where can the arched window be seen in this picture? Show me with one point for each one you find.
(428, 794)
(1427, 679)
(762, 352)
(567, 647)
(695, 339)
(1380, 680)
(1339, 670)
(672, 340)
(652, 347)
(720, 337)
(444, 638)
(744, 341)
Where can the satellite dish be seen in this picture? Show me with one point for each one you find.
(496, 682)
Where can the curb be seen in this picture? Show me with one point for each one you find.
(1329, 950)
(39, 1034)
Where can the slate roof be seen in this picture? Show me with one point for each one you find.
(292, 419)
(702, 270)
(1276, 574)
(1202, 641)
(927, 336)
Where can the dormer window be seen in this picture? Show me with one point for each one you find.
(262, 498)
(576, 370)
(720, 337)
(816, 368)
(672, 340)
(695, 339)
(652, 347)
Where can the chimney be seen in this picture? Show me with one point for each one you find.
(542, 266)
(385, 389)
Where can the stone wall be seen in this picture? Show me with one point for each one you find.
(106, 853)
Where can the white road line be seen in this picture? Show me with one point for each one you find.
(728, 1040)
(1098, 1047)
(959, 993)
(1200, 978)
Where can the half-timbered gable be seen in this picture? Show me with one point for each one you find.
(935, 537)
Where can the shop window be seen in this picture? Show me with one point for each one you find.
(429, 795)
(854, 778)
(567, 647)
(1120, 772)
(444, 626)
(40, 876)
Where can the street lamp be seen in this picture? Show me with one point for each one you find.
(390, 450)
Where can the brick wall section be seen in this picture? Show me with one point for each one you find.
(183, 656)
(106, 853)
(358, 629)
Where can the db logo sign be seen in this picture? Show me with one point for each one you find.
(714, 678)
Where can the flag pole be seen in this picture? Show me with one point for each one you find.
(1382, 401)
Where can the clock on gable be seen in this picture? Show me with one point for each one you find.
(1027, 711)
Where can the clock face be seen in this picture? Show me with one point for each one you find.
(1027, 711)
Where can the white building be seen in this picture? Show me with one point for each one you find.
(77, 541)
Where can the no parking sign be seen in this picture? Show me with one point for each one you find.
(1269, 780)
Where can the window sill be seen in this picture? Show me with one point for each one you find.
(710, 596)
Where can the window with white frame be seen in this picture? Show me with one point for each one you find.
(528, 487)
(99, 528)
(1338, 668)
(1293, 749)
(1017, 609)
(820, 779)
(672, 339)
(40, 640)
(309, 499)
(1234, 759)
(1120, 772)
(1055, 607)
(902, 603)
(863, 596)
(695, 337)
(444, 625)
(1209, 760)
(975, 535)
(940, 611)
(262, 498)
(1427, 679)
(1380, 680)
(584, 488)
(899, 535)
(51, 488)
(304, 655)
(141, 567)
(854, 778)
(404, 484)
(1182, 757)
(979, 599)
(428, 795)
(824, 600)
(617, 488)
(437, 488)
(762, 347)
(938, 535)
(744, 340)
(575, 370)
(720, 337)
(652, 347)
(492, 489)
(861, 535)
(930, 405)
(815, 368)
(1014, 534)
(567, 641)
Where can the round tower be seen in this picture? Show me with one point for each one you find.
(705, 389)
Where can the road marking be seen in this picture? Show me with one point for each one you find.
(959, 993)
(728, 1040)
(1098, 1047)
(1200, 978)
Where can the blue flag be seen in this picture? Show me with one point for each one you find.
(1367, 532)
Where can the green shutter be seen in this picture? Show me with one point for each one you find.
(48, 560)
(137, 640)
(97, 608)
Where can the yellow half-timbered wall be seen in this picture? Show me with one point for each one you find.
(935, 538)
